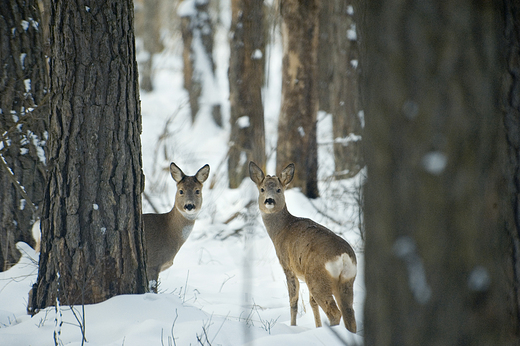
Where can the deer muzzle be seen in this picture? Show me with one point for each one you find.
(189, 207)
(269, 203)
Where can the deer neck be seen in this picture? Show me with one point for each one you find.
(275, 223)
(179, 226)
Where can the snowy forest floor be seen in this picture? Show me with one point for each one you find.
(226, 286)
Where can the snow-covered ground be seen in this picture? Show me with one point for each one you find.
(226, 286)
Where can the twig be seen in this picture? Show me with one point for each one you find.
(173, 325)
(218, 331)
(324, 214)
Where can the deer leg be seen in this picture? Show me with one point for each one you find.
(315, 310)
(293, 286)
(345, 302)
(321, 291)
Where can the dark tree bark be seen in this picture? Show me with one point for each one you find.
(23, 114)
(512, 127)
(199, 67)
(297, 121)
(338, 89)
(436, 251)
(92, 235)
(246, 77)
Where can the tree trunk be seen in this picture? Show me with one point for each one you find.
(147, 26)
(199, 68)
(246, 76)
(92, 235)
(297, 121)
(23, 115)
(344, 94)
(338, 89)
(512, 127)
(435, 249)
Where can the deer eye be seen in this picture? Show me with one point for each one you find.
(278, 190)
(262, 190)
(181, 192)
(197, 192)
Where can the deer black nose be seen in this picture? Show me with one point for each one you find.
(189, 207)
(270, 201)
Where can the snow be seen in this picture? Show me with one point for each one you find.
(434, 162)
(226, 286)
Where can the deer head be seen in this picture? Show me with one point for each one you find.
(188, 198)
(271, 198)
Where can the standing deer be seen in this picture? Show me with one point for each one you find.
(307, 251)
(165, 233)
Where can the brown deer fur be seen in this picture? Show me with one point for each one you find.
(307, 251)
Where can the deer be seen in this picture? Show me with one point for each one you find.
(307, 251)
(165, 233)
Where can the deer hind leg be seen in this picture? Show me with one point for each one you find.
(293, 286)
(315, 310)
(321, 291)
(345, 298)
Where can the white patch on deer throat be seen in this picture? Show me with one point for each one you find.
(186, 230)
(341, 265)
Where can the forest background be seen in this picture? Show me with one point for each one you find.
(288, 81)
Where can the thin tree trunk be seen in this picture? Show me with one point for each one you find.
(344, 93)
(92, 236)
(435, 250)
(199, 67)
(297, 121)
(246, 76)
(148, 27)
(512, 127)
(23, 116)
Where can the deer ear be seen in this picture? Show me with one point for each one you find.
(202, 174)
(287, 174)
(255, 173)
(176, 172)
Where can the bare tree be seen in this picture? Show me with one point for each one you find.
(246, 77)
(511, 101)
(199, 67)
(297, 120)
(92, 235)
(436, 250)
(147, 26)
(23, 113)
(338, 89)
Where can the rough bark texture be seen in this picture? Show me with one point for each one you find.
(435, 249)
(246, 76)
(338, 88)
(23, 114)
(512, 128)
(297, 120)
(92, 236)
(197, 37)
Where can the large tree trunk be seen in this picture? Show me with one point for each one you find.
(92, 235)
(512, 127)
(297, 121)
(435, 257)
(23, 86)
(199, 67)
(246, 76)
